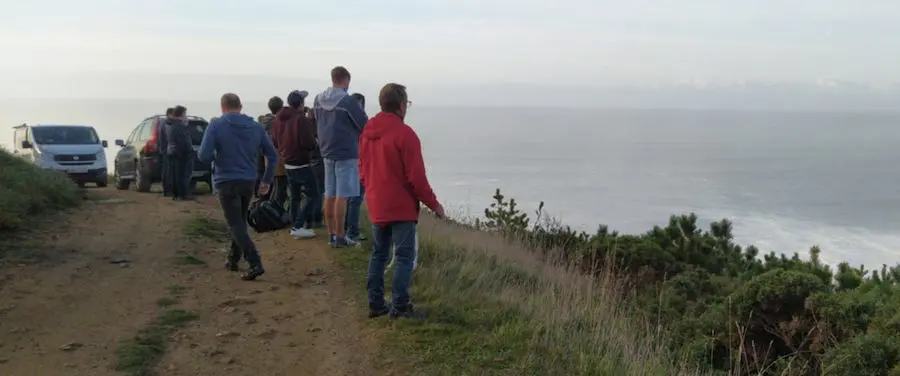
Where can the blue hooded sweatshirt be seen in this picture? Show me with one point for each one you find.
(233, 143)
(340, 120)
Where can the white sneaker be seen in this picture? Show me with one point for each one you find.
(302, 233)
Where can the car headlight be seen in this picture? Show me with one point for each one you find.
(101, 156)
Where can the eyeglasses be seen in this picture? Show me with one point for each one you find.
(408, 104)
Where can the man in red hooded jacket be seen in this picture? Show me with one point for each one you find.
(393, 173)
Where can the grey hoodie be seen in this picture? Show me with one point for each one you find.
(340, 120)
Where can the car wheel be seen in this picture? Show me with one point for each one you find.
(102, 183)
(142, 181)
(193, 187)
(80, 184)
(121, 184)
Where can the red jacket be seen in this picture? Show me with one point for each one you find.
(392, 171)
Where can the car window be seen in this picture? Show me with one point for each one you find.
(130, 139)
(146, 128)
(196, 129)
(64, 135)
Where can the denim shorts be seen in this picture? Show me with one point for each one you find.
(341, 178)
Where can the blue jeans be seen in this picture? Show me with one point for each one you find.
(402, 236)
(354, 204)
(302, 182)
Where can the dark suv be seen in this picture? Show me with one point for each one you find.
(138, 160)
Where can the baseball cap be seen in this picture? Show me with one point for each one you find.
(296, 97)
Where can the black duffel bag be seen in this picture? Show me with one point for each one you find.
(266, 216)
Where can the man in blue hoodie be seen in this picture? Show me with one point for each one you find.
(340, 121)
(233, 143)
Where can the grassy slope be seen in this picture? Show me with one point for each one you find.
(27, 194)
(496, 310)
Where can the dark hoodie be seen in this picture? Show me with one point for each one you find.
(392, 171)
(233, 142)
(178, 139)
(294, 136)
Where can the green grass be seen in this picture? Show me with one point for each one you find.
(489, 315)
(27, 196)
(140, 354)
(166, 302)
(203, 227)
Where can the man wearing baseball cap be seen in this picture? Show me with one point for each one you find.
(295, 139)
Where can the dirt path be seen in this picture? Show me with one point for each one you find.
(112, 266)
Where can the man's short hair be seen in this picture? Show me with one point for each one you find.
(391, 97)
(339, 74)
(231, 101)
(169, 111)
(275, 104)
(179, 111)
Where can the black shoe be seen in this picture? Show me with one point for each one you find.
(406, 313)
(378, 312)
(231, 266)
(253, 273)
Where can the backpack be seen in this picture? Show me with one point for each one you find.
(266, 216)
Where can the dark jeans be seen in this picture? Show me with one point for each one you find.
(402, 236)
(354, 205)
(165, 175)
(319, 201)
(180, 170)
(279, 190)
(302, 182)
(234, 197)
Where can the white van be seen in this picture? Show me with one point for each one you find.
(73, 149)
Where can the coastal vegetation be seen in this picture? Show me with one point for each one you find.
(728, 308)
(513, 293)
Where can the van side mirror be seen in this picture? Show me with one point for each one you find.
(27, 145)
(118, 143)
(104, 143)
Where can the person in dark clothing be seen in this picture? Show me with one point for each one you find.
(296, 141)
(279, 191)
(318, 165)
(354, 204)
(165, 171)
(180, 153)
(233, 143)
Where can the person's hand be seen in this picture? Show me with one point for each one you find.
(440, 212)
(263, 189)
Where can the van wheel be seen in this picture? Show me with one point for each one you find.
(142, 181)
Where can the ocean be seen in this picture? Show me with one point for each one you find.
(787, 180)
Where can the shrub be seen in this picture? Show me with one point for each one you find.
(26, 191)
(729, 308)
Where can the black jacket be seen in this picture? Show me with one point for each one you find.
(162, 136)
(179, 139)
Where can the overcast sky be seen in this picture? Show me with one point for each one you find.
(459, 42)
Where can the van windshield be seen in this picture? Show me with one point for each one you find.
(45, 135)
